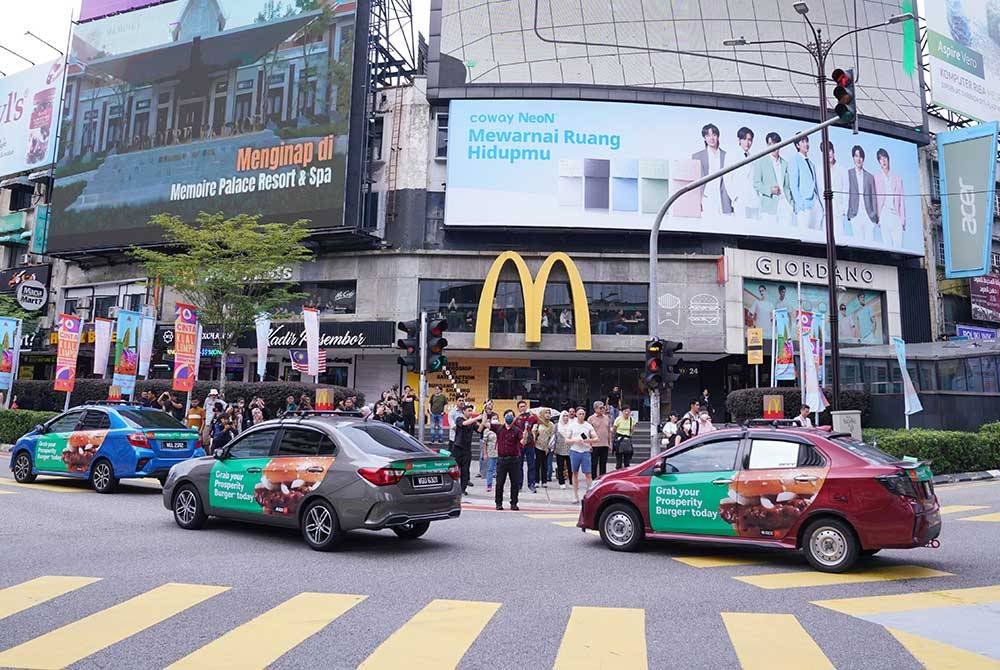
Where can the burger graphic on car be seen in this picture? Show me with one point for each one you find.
(285, 482)
(767, 503)
(81, 448)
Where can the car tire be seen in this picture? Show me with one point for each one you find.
(23, 473)
(102, 476)
(320, 527)
(412, 530)
(189, 512)
(830, 545)
(621, 527)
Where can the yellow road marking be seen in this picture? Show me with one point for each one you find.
(955, 509)
(718, 561)
(263, 640)
(69, 487)
(6, 493)
(906, 602)
(995, 517)
(78, 640)
(604, 637)
(758, 637)
(552, 516)
(565, 524)
(20, 597)
(437, 636)
(791, 580)
(934, 655)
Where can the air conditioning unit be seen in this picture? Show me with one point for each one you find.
(45, 322)
(27, 259)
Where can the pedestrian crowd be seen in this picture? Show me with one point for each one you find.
(696, 421)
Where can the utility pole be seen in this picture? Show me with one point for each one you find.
(422, 390)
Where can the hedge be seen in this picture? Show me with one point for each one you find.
(949, 451)
(39, 395)
(749, 403)
(16, 422)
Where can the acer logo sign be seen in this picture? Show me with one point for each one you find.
(968, 199)
(12, 108)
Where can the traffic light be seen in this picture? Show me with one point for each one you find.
(671, 366)
(847, 106)
(410, 344)
(653, 374)
(436, 360)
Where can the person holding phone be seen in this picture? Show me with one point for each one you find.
(582, 437)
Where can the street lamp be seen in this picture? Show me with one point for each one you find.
(820, 50)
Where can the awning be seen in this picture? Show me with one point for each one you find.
(16, 238)
(17, 182)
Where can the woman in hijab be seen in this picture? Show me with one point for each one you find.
(563, 431)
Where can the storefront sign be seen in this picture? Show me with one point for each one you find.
(985, 296)
(14, 277)
(755, 346)
(31, 295)
(533, 291)
(814, 269)
(774, 407)
(29, 100)
(963, 53)
(291, 335)
(69, 348)
(976, 333)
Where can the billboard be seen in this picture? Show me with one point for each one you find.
(985, 297)
(233, 106)
(963, 43)
(967, 160)
(95, 9)
(607, 165)
(28, 103)
(675, 45)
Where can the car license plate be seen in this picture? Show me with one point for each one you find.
(175, 445)
(426, 481)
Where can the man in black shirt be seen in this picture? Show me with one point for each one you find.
(408, 407)
(614, 402)
(462, 446)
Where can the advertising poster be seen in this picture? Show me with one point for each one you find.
(238, 106)
(910, 397)
(68, 452)
(29, 100)
(277, 487)
(126, 351)
(147, 334)
(67, 351)
(783, 362)
(985, 296)
(10, 339)
(579, 164)
(186, 347)
(963, 42)
(102, 344)
(95, 9)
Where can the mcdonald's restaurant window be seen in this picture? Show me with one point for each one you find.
(615, 309)
(329, 297)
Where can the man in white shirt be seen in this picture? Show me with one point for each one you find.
(762, 311)
(803, 420)
(746, 202)
(580, 437)
(715, 198)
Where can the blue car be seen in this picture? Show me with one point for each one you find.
(105, 443)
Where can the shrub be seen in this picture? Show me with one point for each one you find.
(38, 394)
(16, 422)
(949, 451)
(749, 403)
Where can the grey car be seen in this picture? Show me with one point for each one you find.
(322, 472)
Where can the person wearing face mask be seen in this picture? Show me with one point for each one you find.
(562, 434)
(684, 432)
(510, 443)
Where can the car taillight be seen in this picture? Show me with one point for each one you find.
(382, 476)
(141, 463)
(899, 484)
(454, 472)
(197, 443)
(138, 440)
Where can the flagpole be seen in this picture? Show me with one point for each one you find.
(774, 348)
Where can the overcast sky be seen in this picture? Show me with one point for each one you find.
(50, 20)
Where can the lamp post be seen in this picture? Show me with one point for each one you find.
(820, 50)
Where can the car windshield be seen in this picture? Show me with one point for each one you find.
(150, 419)
(866, 451)
(381, 440)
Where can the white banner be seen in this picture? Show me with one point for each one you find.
(147, 333)
(911, 400)
(310, 319)
(263, 326)
(197, 354)
(102, 344)
(29, 104)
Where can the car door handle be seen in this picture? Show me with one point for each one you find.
(314, 468)
(722, 481)
(253, 470)
(804, 479)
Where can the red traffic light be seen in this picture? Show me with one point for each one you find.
(653, 365)
(437, 326)
(841, 78)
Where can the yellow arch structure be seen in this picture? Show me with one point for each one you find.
(533, 292)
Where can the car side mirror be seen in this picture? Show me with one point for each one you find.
(40, 429)
(663, 468)
(219, 454)
(658, 469)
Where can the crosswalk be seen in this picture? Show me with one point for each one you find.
(441, 633)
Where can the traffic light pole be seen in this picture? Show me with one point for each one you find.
(831, 243)
(654, 249)
(422, 391)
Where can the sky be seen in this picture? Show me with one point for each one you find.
(50, 20)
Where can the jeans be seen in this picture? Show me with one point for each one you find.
(463, 456)
(614, 413)
(599, 462)
(528, 458)
(437, 429)
(562, 470)
(579, 461)
(508, 466)
(491, 470)
(540, 460)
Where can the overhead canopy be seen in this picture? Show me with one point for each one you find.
(231, 48)
(926, 351)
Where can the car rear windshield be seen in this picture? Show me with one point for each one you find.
(868, 452)
(381, 440)
(151, 419)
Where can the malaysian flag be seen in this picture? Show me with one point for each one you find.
(300, 360)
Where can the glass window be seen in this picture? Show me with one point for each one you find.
(151, 419)
(95, 419)
(974, 374)
(712, 457)
(990, 384)
(65, 423)
(441, 140)
(102, 305)
(767, 454)
(877, 376)
(382, 440)
(254, 445)
(926, 375)
(333, 297)
(951, 373)
(508, 382)
(301, 442)
(868, 452)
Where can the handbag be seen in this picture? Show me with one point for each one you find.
(625, 446)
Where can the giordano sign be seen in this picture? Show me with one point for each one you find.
(533, 291)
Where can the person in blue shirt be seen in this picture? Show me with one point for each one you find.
(805, 188)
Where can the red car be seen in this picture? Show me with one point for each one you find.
(825, 494)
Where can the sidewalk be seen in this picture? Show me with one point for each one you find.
(552, 497)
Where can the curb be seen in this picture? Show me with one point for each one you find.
(967, 477)
(4, 448)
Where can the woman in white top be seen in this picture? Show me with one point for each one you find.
(669, 429)
(889, 194)
(580, 436)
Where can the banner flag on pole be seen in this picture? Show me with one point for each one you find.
(263, 327)
(102, 344)
(310, 319)
(910, 398)
(10, 345)
(147, 334)
(67, 352)
(812, 393)
(187, 346)
(127, 351)
(784, 361)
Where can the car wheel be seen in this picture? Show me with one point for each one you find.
(22, 469)
(412, 530)
(621, 527)
(189, 513)
(320, 527)
(830, 545)
(102, 477)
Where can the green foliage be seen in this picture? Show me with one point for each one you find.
(950, 451)
(16, 422)
(749, 403)
(10, 309)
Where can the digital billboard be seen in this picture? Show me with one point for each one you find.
(233, 106)
(95, 9)
(963, 43)
(29, 101)
(610, 166)
(679, 46)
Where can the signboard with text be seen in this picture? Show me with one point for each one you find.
(28, 103)
(976, 332)
(964, 56)
(774, 407)
(984, 294)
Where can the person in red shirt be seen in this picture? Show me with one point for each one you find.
(510, 444)
(525, 421)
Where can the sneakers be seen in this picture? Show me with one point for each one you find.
(471, 484)
(515, 508)
(562, 486)
(545, 485)
(499, 508)
(532, 489)
(489, 489)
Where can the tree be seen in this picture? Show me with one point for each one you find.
(10, 309)
(225, 267)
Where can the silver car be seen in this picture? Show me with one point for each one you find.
(322, 472)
